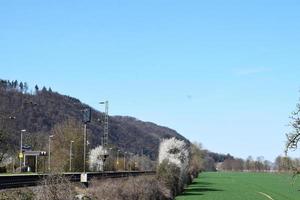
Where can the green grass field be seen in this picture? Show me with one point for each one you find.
(242, 186)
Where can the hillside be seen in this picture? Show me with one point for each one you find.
(39, 112)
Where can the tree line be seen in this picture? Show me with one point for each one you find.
(20, 86)
(280, 164)
(250, 164)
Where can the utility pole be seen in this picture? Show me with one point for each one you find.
(118, 160)
(13, 166)
(71, 144)
(142, 160)
(124, 160)
(84, 148)
(129, 161)
(105, 135)
(21, 149)
(86, 119)
(49, 156)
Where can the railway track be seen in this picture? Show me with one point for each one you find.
(27, 180)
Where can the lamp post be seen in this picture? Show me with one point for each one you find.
(124, 160)
(21, 149)
(129, 161)
(49, 157)
(118, 159)
(71, 144)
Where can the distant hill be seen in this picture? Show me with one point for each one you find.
(40, 111)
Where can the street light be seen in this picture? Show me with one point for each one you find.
(21, 149)
(124, 160)
(49, 157)
(71, 144)
(118, 159)
(129, 160)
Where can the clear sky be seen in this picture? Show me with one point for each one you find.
(223, 73)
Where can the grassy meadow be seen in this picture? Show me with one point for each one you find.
(242, 186)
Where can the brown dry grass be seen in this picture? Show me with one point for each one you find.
(17, 194)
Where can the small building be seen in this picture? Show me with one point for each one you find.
(31, 160)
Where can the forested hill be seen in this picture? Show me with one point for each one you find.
(39, 111)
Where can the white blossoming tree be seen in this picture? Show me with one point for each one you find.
(174, 152)
(96, 159)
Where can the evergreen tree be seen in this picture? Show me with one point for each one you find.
(44, 89)
(25, 87)
(36, 89)
(21, 86)
(15, 84)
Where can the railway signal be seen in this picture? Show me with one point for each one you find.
(43, 153)
(86, 118)
(87, 115)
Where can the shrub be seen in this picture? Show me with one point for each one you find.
(17, 194)
(95, 158)
(168, 174)
(132, 188)
(3, 169)
(196, 164)
(174, 158)
(55, 187)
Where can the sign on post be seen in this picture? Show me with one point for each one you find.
(83, 178)
(21, 155)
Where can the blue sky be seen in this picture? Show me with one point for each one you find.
(223, 73)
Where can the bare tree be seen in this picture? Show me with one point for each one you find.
(196, 160)
(64, 133)
(55, 187)
(293, 136)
